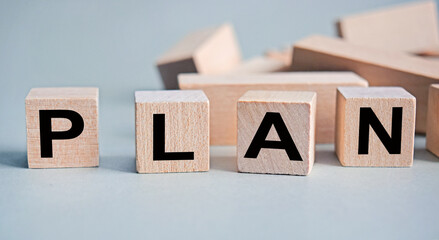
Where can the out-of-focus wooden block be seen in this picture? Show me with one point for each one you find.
(410, 28)
(224, 91)
(433, 120)
(172, 131)
(208, 51)
(260, 65)
(62, 127)
(276, 132)
(431, 57)
(375, 127)
(379, 67)
(284, 55)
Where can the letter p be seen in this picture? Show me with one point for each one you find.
(47, 135)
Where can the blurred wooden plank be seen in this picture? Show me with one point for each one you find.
(225, 90)
(411, 27)
(284, 55)
(260, 65)
(378, 67)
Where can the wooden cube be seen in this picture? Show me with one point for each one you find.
(172, 131)
(276, 132)
(432, 58)
(225, 90)
(411, 28)
(433, 120)
(378, 67)
(375, 127)
(62, 127)
(208, 51)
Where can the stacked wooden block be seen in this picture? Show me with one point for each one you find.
(367, 92)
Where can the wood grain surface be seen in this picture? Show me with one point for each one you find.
(82, 151)
(186, 129)
(298, 112)
(432, 136)
(381, 100)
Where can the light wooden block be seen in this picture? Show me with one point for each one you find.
(184, 120)
(431, 58)
(224, 92)
(432, 135)
(379, 67)
(409, 27)
(383, 118)
(208, 51)
(260, 65)
(276, 132)
(284, 55)
(80, 149)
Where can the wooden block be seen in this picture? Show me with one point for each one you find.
(208, 51)
(224, 91)
(379, 67)
(433, 120)
(276, 132)
(260, 65)
(410, 28)
(62, 127)
(375, 127)
(172, 131)
(284, 55)
(431, 58)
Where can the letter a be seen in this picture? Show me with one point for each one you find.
(286, 141)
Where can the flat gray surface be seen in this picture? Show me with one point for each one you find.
(113, 202)
(113, 45)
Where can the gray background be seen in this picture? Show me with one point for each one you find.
(113, 45)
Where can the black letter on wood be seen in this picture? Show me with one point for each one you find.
(47, 135)
(286, 142)
(159, 153)
(368, 118)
